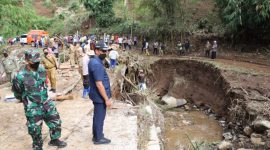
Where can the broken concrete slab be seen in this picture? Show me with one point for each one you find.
(173, 102)
(153, 143)
(261, 125)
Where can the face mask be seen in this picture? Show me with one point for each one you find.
(34, 66)
(5, 55)
(102, 56)
(46, 53)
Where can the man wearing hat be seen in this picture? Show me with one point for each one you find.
(10, 65)
(100, 93)
(50, 64)
(29, 87)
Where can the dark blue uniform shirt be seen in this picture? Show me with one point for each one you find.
(97, 72)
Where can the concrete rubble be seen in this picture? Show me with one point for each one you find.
(173, 102)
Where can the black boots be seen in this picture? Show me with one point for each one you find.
(101, 141)
(58, 143)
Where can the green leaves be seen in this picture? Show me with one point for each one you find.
(243, 17)
(16, 20)
(102, 11)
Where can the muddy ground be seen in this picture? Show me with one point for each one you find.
(238, 91)
(235, 93)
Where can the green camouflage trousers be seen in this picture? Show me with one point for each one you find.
(35, 115)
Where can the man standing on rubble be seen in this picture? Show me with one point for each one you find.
(100, 93)
(50, 64)
(10, 65)
(30, 88)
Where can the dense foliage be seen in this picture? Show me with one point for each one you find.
(17, 18)
(246, 18)
(161, 17)
(102, 10)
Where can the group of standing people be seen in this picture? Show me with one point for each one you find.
(183, 47)
(158, 48)
(211, 49)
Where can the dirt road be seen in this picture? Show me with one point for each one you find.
(120, 126)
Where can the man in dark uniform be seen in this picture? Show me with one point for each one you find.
(29, 87)
(100, 93)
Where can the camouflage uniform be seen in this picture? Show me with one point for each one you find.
(10, 66)
(30, 88)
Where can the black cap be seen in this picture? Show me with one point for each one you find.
(105, 48)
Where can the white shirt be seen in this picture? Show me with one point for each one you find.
(113, 54)
(86, 60)
(86, 47)
(146, 45)
(120, 40)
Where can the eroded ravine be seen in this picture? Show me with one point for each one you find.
(218, 102)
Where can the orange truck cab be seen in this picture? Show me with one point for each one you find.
(36, 34)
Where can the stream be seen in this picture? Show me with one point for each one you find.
(185, 127)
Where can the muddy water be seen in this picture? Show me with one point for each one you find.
(183, 127)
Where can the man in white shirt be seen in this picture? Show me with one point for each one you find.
(113, 55)
(120, 41)
(85, 60)
(146, 48)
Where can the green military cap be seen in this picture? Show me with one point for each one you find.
(33, 55)
(5, 51)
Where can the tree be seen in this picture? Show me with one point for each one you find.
(102, 11)
(16, 19)
(165, 19)
(245, 18)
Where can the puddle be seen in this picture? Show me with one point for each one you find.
(183, 127)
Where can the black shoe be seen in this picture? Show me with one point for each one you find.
(102, 141)
(58, 143)
(93, 139)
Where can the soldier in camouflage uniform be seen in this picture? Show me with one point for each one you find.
(10, 65)
(30, 88)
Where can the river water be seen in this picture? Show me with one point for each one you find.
(184, 128)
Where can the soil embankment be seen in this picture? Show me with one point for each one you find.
(233, 91)
(195, 81)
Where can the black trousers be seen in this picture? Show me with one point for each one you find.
(207, 53)
(155, 51)
(214, 55)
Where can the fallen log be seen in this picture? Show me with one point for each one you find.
(64, 97)
(70, 88)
